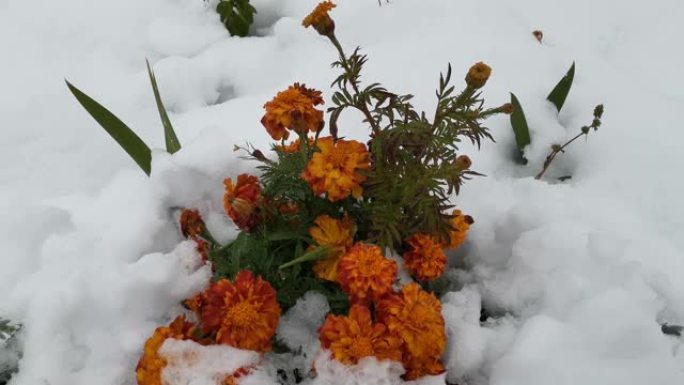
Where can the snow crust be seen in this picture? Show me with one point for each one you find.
(574, 277)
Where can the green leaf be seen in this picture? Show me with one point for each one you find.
(172, 143)
(123, 135)
(236, 16)
(317, 253)
(560, 92)
(520, 128)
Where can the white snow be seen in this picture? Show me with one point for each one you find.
(576, 276)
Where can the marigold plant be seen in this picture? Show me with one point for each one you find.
(321, 211)
(356, 336)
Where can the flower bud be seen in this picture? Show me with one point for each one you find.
(507, 108)
(477, 75)
(585, 129)
(320, 20)
(463, 162)
(556, 147)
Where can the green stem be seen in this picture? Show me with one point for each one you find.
(362, 105)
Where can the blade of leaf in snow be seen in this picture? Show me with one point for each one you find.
(172, 142)
(560, 92)
(520, 128)
(127, 139)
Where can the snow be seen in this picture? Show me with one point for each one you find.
(576, 276)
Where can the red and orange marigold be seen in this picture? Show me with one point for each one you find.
(365, 274)
(337, 168)
(243, 314)
(191, 223)
(460, 224)
(356, 336)
(337, 235)
(425, 258)
(241, 199)
(151, 364)
(416, 317)
(293, 109)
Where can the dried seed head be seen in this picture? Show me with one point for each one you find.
(539, 35)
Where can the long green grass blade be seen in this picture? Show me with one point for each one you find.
(172, 142)
(520, 128)
(560, 92)
(123, 135)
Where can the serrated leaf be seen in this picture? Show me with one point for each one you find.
(520, 128)
(127, 139)
(172, 142)
(560, 92)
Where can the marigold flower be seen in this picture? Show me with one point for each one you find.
(244, 314)
(293, 109)
(150, 365)
(335, 168)
(425, 258)
(293, 146)
(416, 317)
(356, 336)
(240, 200)
(478, 75)
(365, 274)
(459, 229)
(320, 20)
(191, 223)
(336, 234)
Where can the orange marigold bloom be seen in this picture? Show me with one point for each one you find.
(356, 336)
(365, 274)
(416, 317)
(202, 248)
(244, 314)
(319, 18)
(293, 109)
(191, 223)
(335, 168)
(460, 224)
(150, 365)
(241, 199)
(337, 234)
(425, 258)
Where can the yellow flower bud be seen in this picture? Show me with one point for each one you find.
(477, 75)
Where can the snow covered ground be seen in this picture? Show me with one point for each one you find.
(577, 275)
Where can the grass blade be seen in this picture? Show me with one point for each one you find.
(172, 142)
(520, 128)
(560, 92)
(127, 139)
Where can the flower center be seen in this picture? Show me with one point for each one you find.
(362, 347)
(242, 314)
